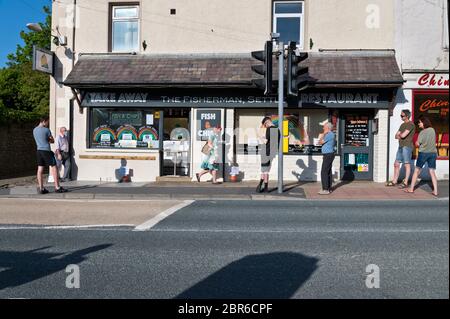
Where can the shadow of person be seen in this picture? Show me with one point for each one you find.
(123, 173)
(24, 267)
(307, 173)
(347, 178)
(266, 276)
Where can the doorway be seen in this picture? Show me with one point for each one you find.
(357, 147)
(176, 142)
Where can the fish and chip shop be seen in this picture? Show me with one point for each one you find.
(130, 111)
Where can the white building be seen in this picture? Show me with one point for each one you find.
(421, 44)
(135, 70)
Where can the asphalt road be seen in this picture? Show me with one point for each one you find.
(241, 249)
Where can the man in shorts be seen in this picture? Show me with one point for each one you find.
(404, 136)
(45, 157)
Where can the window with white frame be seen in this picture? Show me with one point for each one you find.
(125, 28)
(288, 21)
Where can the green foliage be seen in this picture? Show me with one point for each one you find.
(24, 93)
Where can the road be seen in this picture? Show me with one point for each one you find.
(240, 249)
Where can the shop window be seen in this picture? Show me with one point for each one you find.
(304, 129)
(288, 20)
(434, 104)
(125, 28)
(356, 132)
(123, 128)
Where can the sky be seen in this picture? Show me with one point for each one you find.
(14, 15)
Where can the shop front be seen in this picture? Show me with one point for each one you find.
(426, 94)
(154, 124)
(174, 128)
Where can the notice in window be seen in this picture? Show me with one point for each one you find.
(149, 119)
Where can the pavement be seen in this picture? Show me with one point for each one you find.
(356, 190)
(240, 249)
(62, 212)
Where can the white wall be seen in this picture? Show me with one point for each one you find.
(420, 34)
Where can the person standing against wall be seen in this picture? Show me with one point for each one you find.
(328, 141)
(62, 153)
(404, 136)
(427, 154)
(268, 151)
(45, 157)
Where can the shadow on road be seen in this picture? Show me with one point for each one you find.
(265, 276)
(27, 266)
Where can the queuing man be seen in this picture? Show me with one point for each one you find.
(404, 136)
(62, 152)
(327, 140)
(45, 157)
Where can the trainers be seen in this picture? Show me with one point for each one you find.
(324, 192)
(43, 191)
(61, 190)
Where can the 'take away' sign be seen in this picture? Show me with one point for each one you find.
(145, 99)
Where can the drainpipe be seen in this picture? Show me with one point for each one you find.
(388, 144)
(73, 31)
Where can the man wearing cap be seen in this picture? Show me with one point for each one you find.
(327, 140)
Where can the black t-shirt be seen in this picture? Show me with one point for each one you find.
(272, 137)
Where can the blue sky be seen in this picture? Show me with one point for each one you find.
(14, 15)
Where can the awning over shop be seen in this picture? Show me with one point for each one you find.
(353, 69)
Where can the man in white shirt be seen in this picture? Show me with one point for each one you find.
(62, 152)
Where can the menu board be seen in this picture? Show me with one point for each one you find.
(357, 131)
(126, 118)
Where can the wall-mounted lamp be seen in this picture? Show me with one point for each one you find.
(59, 40)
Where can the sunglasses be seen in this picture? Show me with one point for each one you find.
(402, 116)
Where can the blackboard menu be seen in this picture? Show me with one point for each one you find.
(356, 131)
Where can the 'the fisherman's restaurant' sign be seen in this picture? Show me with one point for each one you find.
(312, 99)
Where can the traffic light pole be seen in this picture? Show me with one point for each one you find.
(280, 114)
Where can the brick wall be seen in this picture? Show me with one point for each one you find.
(17, 150)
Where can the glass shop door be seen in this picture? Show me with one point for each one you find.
(357, 147)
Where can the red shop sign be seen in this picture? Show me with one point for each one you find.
(429, 80)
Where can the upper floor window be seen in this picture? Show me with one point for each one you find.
(288, 21)
(125, 28)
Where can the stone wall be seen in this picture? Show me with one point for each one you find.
(17, 150)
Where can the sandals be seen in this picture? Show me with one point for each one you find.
(403, 185)
(407, 190)
(390, 183)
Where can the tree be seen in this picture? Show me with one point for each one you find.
(24, 93)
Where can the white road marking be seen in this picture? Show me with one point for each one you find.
(305, 230)
(76, 200)
(63, 227)
(152, 222)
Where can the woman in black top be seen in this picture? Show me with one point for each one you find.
(267, 152)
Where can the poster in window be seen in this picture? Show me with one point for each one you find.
(206, 121)
(357, 130)
(433, 104)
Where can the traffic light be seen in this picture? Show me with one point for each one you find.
(264, 69)
(297, 76)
